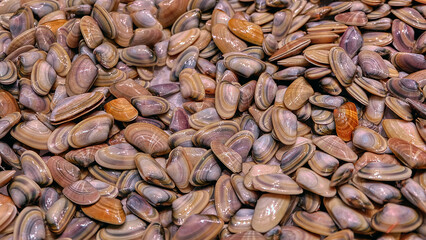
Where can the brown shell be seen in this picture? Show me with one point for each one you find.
(346, 120)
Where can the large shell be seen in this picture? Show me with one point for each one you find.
(35, 168)
(269, 210)
(107, 210)
(396, 218)
(318, 222)
(119, 156)
(29, 224)
(265, 91)
(226, 200)
(384, 172)
(60, 214)
(32, 133)
(367, 139)
(342, 66)
(408, 153)
(148, 138)
(334, 146)
(82, 193)
(91, 32)
(81, 76)
(247, 31)
(225, 40)
(90, 131)
(23, 191)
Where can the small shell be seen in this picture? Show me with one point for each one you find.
(29, 224)
(141, 208)
(296, 157)
(148, 138)
(8, 72)
(230, 158)
(107, 210)
(318, 222)
(91, 32)
(220, 131)
(189, 204)
(384, 172)
(133, 228)
(225, 40)
(82, 193)
(150, 105)
(32, 133)
(226, 200)
(35, 168)
(394, 218)
(119, 156)
(284, 125)
(59, 215)
(121, 110)
(354, 197)
(276, 183)
(81, 76)
(23, 191)
(63, 172)
(156, 196)
(265, 91)
(206, 170)
(342, 66)
(92, 130)
(247, 31)
(152, 172)
(269, 211)
(334, 146)
(408, 153)
(191, 85)
(309, 180)
(199, 226)
(297, 94)
(410, 16)
(138, 56)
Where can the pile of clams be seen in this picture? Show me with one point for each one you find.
(212, 119)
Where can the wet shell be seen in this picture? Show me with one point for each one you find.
(23, 191)
(199, 227)
(128, 89)
(133, 228)
(247, 31)
(377, 191)
(32, 133)
(265, 91)
(182, 40)
(63, 172)
(399, 107)
(334, 146)
(394, 218)
(150, 105)
(230, 158)
(91, 32)
(342, 66)
(297, 94)
(35, 168)
(384, 172)
(290, 49)
(296, 157)
(152, 172)
(276, 183)
(354, 197)
(264, 149)
(285, 126)
(220, 131)
(8, 72)
(9, 212)
(148, 138)
(346, 120)
(189, 204)
(43, 77)
(317, 222)
(59, 215)
(121, 110)
(311, 181)
(239, 63)
(141, 208)
(206, 170)
(90, 131)
(81, 76)
(119, 156)
(7, 122)
(225, 40)
(408, 153)
(154, 195)
(107, 210)
(269, 211)
(226, 200)
(104, 20)
(58, 140)
(372, 65)
(179, 169)
(29, 224)
(191, 85)
(410, 16)
(138, 56)
(8, 103)
(342, 174)
(397, 128)
(357, 18)
(106, 54)
(81, 192)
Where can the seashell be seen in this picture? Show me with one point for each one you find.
(380, 39)
(91, 32)
(6, 176)
(48, 197)
(150, 105)
(354, 197)
(119, 156)
(104, 20)
(8, 72)
(152, 172)
(241, 143)
(335, 146)
(309, 180)
(419, 45)
(291, 48)
(203, 118)
(63, 172)
(399, 107)
(356, 18)
(179, 169)
(59, 215)
(32, 133)
(58, 58)
(284, 125)
(182, 40)
(409, 62)
(403, 36)
(43, 77)
(317, 57)
(407, 153)
(29, 224)
(165, 89)
(105, 189)
(186, 59)
(372, 65)
(317, 222)
(199, 226)
(323, 164)
(226, 41)
(148, 138)
(92, 130)
(346, 120)
(372, 86)
(191, 85)
(124, 28)
(238, 63)
(9, 213)
(384, 172)
(411, 17)
(78, 83)
(205, 171)
(246, 30)
(264, 220)
(226, 200)
(346, 217)
(106, 54)
(121, 110)
(23, 191)
(27, 37)
(188, 20)
(146, 36)
(30, 99)
(189, 204)
(126, 182)
(264, 148)
(406, 219)
(412, 191)
(382, 24)
(351, 41)
(8, 103)
(357, 93)
(327, 101)
(296, 157)
(282, 24)
(265, 91)
(342, 174)
(396, 128)
(80, 227)
(290, 73)
(81, 192)
(35, 168)
(128, 89)
(107, 210)
(132, 228)
(246, 196)
(141, 208)
(138, 56)
(377, 191)
(319, 13)
(342, 66)
(277, 183)
(220, 131)
(7, 122)
(182, 138)
(154, 195)
(230, 158)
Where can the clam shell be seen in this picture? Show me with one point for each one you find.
(230, 158)
(59, 215)
(384, 172)
(342, 66)
(276, 183)
(179, 169)
(327, 101)
(354, 197)
(296, 157)
(410, 16)
(124, 28)
(43, 77)
(133, 228)
(35, 168)
(83, 156)
(81, 192)
(323, 164)
(126, 182)
(5, 177)
(9, 213)
(150, 105)
(81, 76)
(372, 65)
(367, 139)
(269, 211)
(107, 210)
(182, 40)
(246, 30)
(351, 41)
(285, 126)
(189, 204)
(58, 141)
(119, 156)
(186, 59)
(414, 193)
(264, 149)
(8, 103)
(227, 97)
(32, 133)
(356, 18)
(265, 91)
(396, 128)
(399, 107)
(191, 85)
(58, 58)
(246, 196)
(225, 40)
(7, 122)
(128, 89)
(148, 138)
(206, 170)
(406, 219)
(106, 54)
(152, 172)
(63, 172)
(141, 208)
(334, 146)
(8, 72)
(407, 153)
(154, 195)
(23, 191)
(91, 32)
(29, 224)
(290, 49)
(121, 110)
(238, 63)
(377, 191)
(297, 94)
(317, 222)
(199, 227)
(138, 56)
(342, 174)
(104, 20)
(309, 180)
(92, 130)
(220, 131)
(226, 200)
(346, 120)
